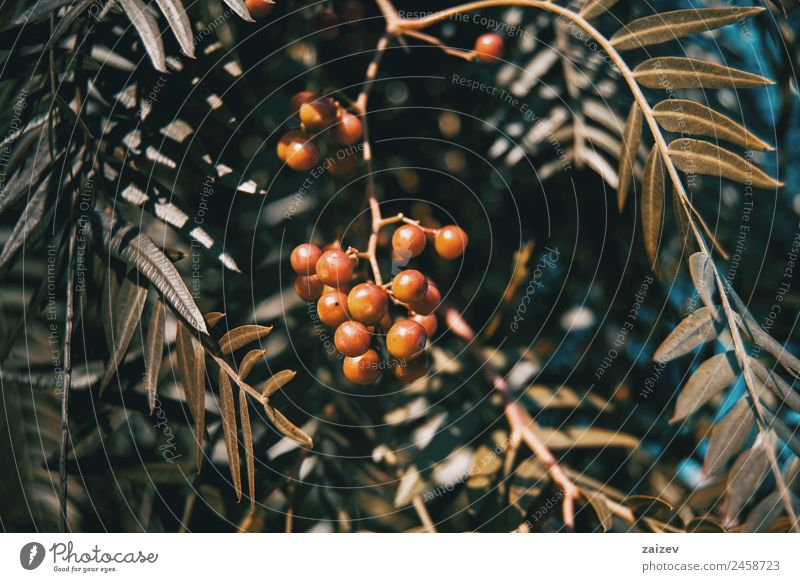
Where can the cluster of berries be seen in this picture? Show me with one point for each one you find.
(297, 147)
(360, 314)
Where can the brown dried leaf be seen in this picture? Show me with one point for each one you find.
(744, 479)
(698, 328)
(683, 115)
(192, 366)
(710, 378)
(252, 358)
(286, 427)
(776, 384)
(595, 8)
(667, 26)
(249, 454)
(214, 317)
(687, 73)
(154, 352)
(227, 410)
(599, 503)
(702, 270)
(693, 156)
(276, 382)
(241, 336)
(631, 138)
(765, 514)
(728, 436)
(653, 205)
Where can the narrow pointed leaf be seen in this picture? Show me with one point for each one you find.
(129, 302)
(29, 226)
(241, 336)
(154, 352)
(683, 115)
(631, 138)
(687, 73)
(147, 27)
(240, 8)
(252, 358)
(125, 242)
(595, 8)
(776, 384)
(276, 382)
(653, 205)
(694, 156)
(784, 432)
(765, 514)
(702, 271)
(746, 474)
(666, 26)
(710, 378)
(698, 328)
(599, 503)
(214, 317)
(249, 454)
(192, 366)
(175, 14)
(728, 436)
(227, 410)
(288, 429)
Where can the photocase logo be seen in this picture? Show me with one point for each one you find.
(31, 555)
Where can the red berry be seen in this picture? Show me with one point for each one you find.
(348, 129)
(335, 268)
(410, 286)
(363, 369)
(298, 99)
(408, 241)
(431, 301)
(429, 322)
(259, 8)
(341, 167)
(367, 303)
(304, 258)
(302, 156)
(308, 288)
(489, 47)
(332, 308)
(406, 339)
(287, 139)
(352, 339)
(450, 242)
(318, 115)
(411, 370)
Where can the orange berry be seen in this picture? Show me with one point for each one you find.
(335, 268)
(363, 369)
(332, 308)
(489, 47)
(302, 156)
(304, 258)
(308, 288)
(410, 286)
(348, 129)
(367, 303)
(406, 340)
(259, 8)
(409, 240)
(318, 115)
(287, 139)
(450, 242)
(411, 370)
(431, 301)
(352, 339)
(429, 322)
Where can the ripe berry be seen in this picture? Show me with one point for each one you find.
(431, 301)
(304, 258)
(451, 242)
(429, 322)
(335, 268)
(489, 47)
(409, 239)
(367, 303)
(406, 339)
(341, 167)
(308, 288)
(363, 369)
(411, 370)
(318, 115)
(410, 286)
(259, 8)
(352, 339)
(302, 155)
(288, 138)
(332, 308)
(298, 99)
(348, 129)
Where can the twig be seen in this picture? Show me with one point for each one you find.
(67, 381)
